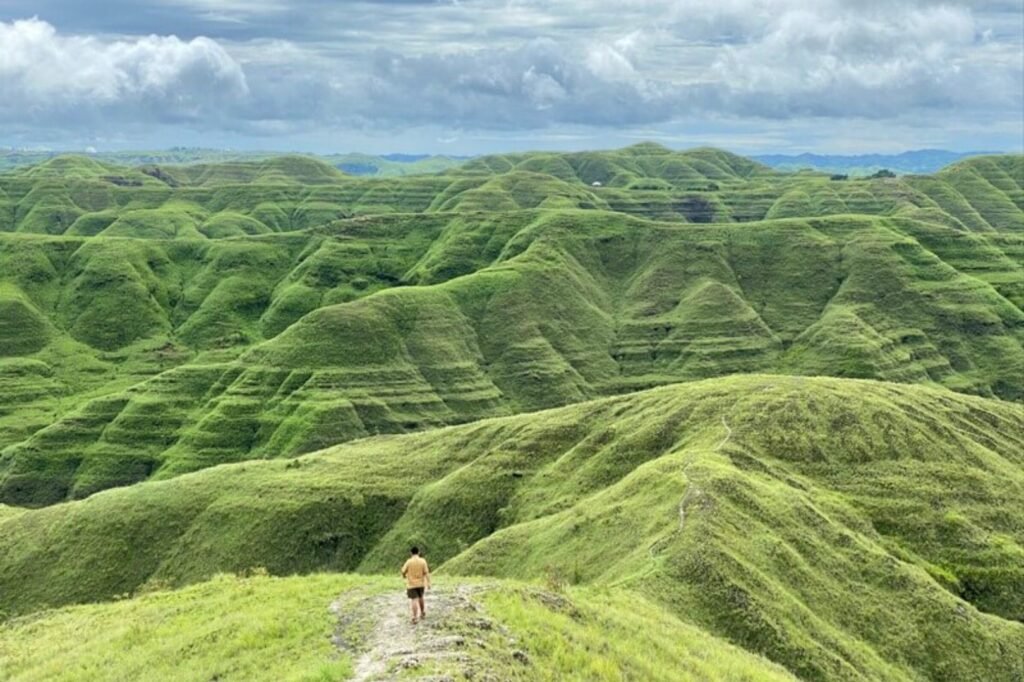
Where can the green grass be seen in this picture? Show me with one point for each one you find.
(274, 345)
(622, 167)
(172, 338)
(352, 163)
(610, 635)
(260, 628)
(984, 193)
(227, 629)
(846, 529)
(7, 512)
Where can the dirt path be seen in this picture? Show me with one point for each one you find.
(690, 493)
(728, 435)
(446, 645)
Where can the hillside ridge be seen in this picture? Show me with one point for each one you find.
(824, 484)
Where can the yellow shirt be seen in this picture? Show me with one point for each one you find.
(415, 572)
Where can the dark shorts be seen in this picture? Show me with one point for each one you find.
(414, 593)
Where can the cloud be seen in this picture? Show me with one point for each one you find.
(531, 86)
(275, 68)
(46, 76)
(833, 61)
(614, 61)
(772, 60)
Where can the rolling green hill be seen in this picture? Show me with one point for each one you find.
(392, 165)
(288, 193)
(779, 413)
(983, 193)
(845, 529)
(632, 167)
(265, 319)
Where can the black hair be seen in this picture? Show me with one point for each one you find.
(415, 550)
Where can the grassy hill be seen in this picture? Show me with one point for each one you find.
(78, 195)
(643, 164)
(983, 193)
(283, 628)
(808, 520)
(392, 165)
(265, 319)
(756, 416)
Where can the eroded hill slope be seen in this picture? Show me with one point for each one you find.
(159, 320)
(128, 359)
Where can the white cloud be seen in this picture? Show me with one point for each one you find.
(867, 61)
(44, 74)
(613, 61)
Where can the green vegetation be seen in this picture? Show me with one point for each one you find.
(6, 512)
(606, 372)
(495, 294)
(860, 165)
(226, 629)
(276, 345)
(610, 635)
(809, 520)
(392, 165)
(259, 628)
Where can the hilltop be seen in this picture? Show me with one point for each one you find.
(325, 627)
(808, 520)
(632, 167)
(389, 165)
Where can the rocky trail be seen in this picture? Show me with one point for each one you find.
(456, 640)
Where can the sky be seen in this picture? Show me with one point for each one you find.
(478, 76)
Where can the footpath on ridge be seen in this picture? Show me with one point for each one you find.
(456, 640)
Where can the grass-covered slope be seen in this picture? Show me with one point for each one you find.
(277, 345)
(244, 312)
(845, 529)
(276, 170)
(226, 629)
(182, 334)
(645, 164)
(393, 164)
(984, 193)
(860, 165)
(259, 628)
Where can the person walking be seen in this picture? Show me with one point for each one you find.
(417, 579)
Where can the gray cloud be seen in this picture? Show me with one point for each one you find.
(534, 85)
(274, 68)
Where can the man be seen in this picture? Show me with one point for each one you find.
(417, 579)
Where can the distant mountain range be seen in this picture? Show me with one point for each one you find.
(919, 161)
